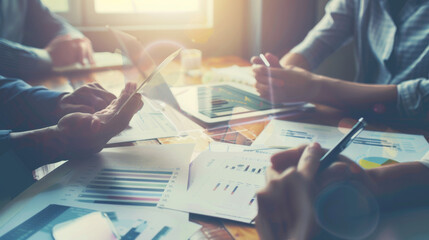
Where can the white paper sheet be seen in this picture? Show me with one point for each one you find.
(75, 186)
(374, 148)
(223, 185)
(148, 123)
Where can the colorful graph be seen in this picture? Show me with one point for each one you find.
(247, 168)
(126, 187)
(373, 162)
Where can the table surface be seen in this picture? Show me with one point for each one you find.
(238, 133)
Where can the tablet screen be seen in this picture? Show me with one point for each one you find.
(224, 100)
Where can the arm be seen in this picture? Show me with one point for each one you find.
(401, 185)
(24, 107)
(76, 134)
(292, 84)
(332, 32)
(12, 170)
(18, 60)
(42, 26)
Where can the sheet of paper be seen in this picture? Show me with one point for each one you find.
(148, 123)
(370, 149)
(101, 59)
(237, 74)
(223, 185)
(128, 179)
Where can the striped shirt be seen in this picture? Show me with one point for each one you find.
(390, 48)
(26, 28)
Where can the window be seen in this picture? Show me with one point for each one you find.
(135, 13)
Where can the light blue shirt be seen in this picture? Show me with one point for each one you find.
(388, 50)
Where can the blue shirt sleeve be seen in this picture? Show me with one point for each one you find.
(413, 98)
(332, 32)
(23, 107)
(15, 177)
(40, 27)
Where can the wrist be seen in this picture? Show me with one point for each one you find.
(39, 147)
(59, 111)
(319, 86)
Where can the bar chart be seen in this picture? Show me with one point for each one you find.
(120, 186)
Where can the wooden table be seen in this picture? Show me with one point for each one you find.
(241, 133)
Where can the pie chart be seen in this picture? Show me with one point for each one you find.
(373, 162)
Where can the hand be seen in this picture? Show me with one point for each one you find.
(290, 84)
(272, 59)
(86, 133)
(76, 134)
(65, 50)
(285, 204)
(86, 99)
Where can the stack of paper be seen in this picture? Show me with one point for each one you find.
(223, 184)
(370, 149)
(123, 180)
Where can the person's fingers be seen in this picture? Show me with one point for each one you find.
(343, 170)
(90, 99)
(275, 82)
(262, 88)
(289, 158)
(310, 160)
(90, 51)
(256, 60)
(272, 59)
(99, 91)
(272, 173)
(270, 221)
(80, 50)
(122, 119)
(72, 108)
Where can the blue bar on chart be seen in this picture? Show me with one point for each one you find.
(126, 187)
(233, 191)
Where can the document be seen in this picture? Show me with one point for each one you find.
(46, 223)
(126, 179)
(149, 123)
(102, 60)
(223, 184)
(370, 149)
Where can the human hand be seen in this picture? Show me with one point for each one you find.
(288, 192)
(65, 50)
(289, 84)
(285, 209)
(272, 59)
(89, 98)
(84, 133)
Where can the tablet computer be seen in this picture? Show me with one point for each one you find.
(222, 102)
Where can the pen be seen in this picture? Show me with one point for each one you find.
(264, 60)
(332, 155)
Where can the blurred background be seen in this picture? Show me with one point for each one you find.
(241, 28)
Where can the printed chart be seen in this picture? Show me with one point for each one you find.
(126, 187)
(223, 184)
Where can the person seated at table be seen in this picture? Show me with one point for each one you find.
(289, 206)
(40, 126)
(392, 51)
(33, 40)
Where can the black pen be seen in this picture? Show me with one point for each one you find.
(332, 155)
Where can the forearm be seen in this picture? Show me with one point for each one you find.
(352, 96)
(18, 60)
(38, 147)
(401, 185)
(294, 59)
